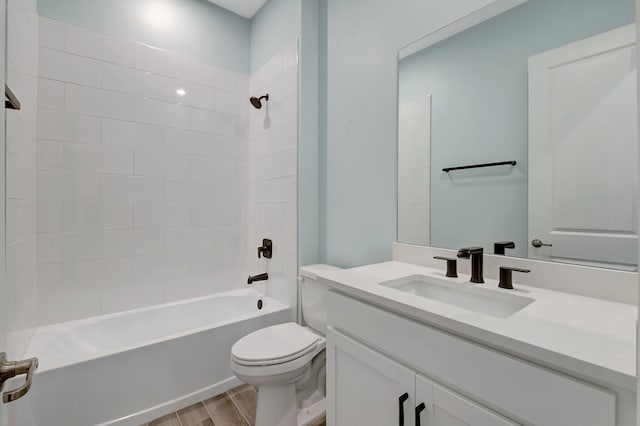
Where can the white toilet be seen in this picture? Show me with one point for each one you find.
(287, 361)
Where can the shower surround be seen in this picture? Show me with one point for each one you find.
(273, 168)
(149, 188)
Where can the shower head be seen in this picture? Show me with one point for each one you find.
(257, 102)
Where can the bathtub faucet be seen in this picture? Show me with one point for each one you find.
(259, 277)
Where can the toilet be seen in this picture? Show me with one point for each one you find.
(287, 361)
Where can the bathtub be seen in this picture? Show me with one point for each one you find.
(132, 367)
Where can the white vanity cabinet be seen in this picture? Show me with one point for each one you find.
(368, 388)
(444, 407)
(375, 356)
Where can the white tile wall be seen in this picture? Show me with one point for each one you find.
(273, 172)
(66, 127)
(61, 66)
(132, 135)
(414, 146)
(22, 64)
(142, 193)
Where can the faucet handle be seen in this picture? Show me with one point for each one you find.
(500, 246)
(266, 249)
(506, 276)
(452, 265)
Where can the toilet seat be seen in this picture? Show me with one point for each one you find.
(274, 345)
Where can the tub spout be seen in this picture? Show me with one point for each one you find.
(259, 277)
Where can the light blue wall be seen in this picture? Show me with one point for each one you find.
(308, 117)
(323, 74)
(358, 193)
(275, 26)
(478, 80)
(201, 29)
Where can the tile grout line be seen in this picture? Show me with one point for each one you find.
(123, 92)
(206, 410)
(228, 395)
(136, 67)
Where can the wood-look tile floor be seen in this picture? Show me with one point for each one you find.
(236, 407)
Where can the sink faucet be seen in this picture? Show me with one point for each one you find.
(475, 253)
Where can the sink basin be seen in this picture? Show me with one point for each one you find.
(463, 295)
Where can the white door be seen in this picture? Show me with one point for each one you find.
(583, 151)
(443, 407)
(364, 387)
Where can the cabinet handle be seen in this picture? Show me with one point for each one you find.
(401, 401)
(419, 409)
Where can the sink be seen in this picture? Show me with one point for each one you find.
(463, 295)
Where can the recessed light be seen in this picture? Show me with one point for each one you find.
(181, 92)
(159, 15)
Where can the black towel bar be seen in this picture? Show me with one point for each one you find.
(476, 166)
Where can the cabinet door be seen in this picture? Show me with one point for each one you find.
(444, 407)
(365, 387)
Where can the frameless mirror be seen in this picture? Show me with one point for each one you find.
(518, 124)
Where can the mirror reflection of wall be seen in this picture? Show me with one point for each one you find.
(477, 82)
(414, 146)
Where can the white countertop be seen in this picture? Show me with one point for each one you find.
(586, 337)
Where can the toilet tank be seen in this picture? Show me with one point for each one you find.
(314, 297)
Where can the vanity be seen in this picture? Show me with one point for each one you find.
(517, 166)
(407, 345)
(517, 139)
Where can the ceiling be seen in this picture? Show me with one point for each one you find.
(245, 8)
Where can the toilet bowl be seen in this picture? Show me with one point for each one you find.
(287, 361)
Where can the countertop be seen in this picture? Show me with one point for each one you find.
(589, 338)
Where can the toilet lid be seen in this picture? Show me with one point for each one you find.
(274, 345)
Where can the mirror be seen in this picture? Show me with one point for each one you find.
(518, 124)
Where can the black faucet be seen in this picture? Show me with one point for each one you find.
(266, 249)
(500, 246)
(452, 266)
(259, 277)
(475, 253)
(506, 277)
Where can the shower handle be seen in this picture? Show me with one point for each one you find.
(266, 249)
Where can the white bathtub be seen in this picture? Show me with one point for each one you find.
(132, 367)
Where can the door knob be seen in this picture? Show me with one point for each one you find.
(538, 243)
(9, 370)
